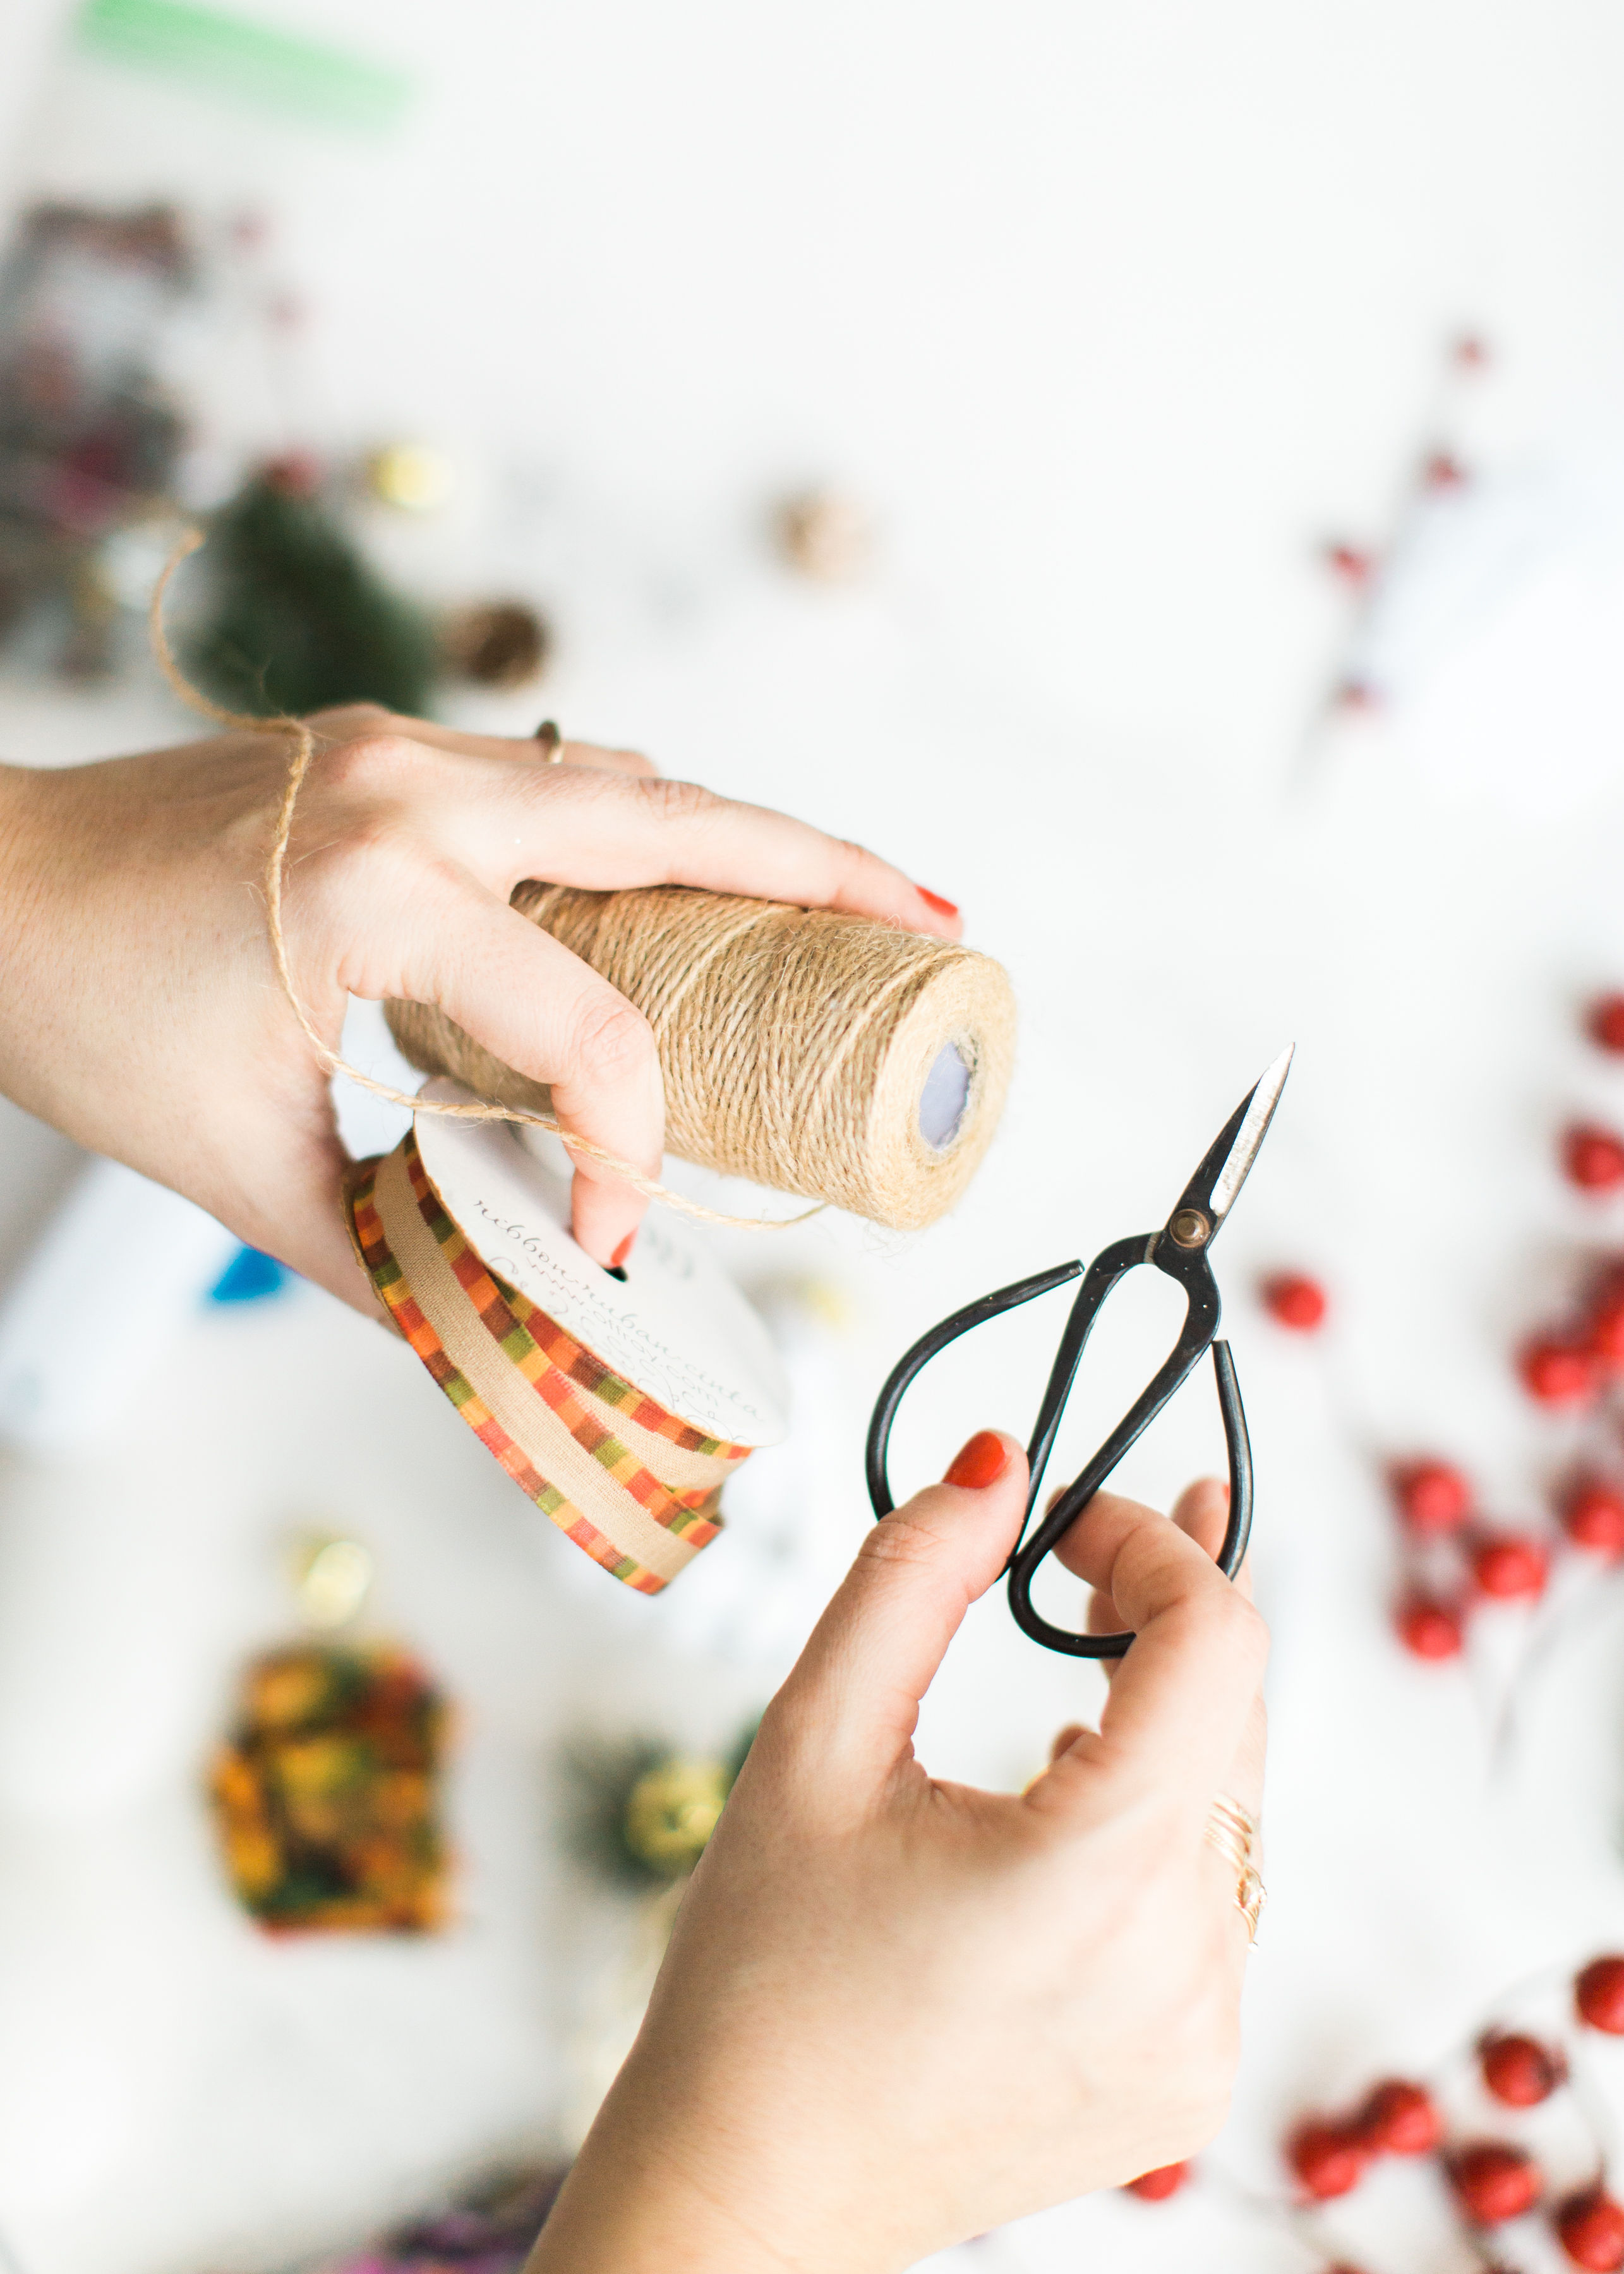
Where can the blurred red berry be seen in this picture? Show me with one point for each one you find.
(1604, 1340)
(1557, 1373)
(1593, 1517)
(1592, 1157)
(1349, 562)
(1519, 2070)
(1604, 1022)
(1429, 1628)
(296, 475)
(1291, 1300)
(1598, 1994)
(1495, 2180)
(1432, 1495)
(1157, 2185)
(1590, 2227)
(1511, 1566)
(1329, 2159)
(1443, 472)
(1357, 695)
(1469, 353)
(1402, 2119)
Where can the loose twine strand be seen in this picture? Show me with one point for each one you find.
(304, 746)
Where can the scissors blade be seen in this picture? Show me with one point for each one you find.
(1215, 1184)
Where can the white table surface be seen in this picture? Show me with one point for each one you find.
(1113, 317)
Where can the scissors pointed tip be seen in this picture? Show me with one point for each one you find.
(1272, 1080)
(1254, 1117)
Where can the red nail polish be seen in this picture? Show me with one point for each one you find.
(979, 1463)
(935, 900)
(617, 1261)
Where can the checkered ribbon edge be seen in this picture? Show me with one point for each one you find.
(633, 1485)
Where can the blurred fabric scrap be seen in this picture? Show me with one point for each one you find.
(325, 1796)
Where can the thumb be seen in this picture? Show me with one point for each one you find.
(855, 1690)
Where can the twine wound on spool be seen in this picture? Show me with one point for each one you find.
(813, 1052)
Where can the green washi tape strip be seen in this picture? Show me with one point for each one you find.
(248, 61)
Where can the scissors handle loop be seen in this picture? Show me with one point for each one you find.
(1192, 1272)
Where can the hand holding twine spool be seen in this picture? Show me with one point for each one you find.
(813, 1052)
(821, 1053)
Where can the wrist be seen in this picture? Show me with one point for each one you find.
(649, 2195)
(25, 861)
(630, 2210)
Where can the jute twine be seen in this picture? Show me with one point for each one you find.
(794, 1043)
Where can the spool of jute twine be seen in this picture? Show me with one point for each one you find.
(815, 1053)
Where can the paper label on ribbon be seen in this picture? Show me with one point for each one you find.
(677, 1327)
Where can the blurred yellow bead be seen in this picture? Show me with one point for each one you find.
(332, 1579)
(672, 1811)
(411, 475)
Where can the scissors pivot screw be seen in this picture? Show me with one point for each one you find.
(1189, 1227)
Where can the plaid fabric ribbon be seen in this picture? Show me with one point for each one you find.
(630, 1483)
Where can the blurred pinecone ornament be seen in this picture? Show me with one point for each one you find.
(825, 535)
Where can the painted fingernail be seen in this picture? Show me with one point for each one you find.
(979, 1463)
(617, 1261)
(935, 900)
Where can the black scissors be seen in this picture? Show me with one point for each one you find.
(1180, 1250)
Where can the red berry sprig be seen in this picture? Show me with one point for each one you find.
(1294, 1300)
(1557, 1371)
(1430, 1628)
(1432, 1496)
(1604, 1022)
(1592, 1514)
(1491, 2180)
(1593, 1157)
(1519, 2070)
(1590, 2229)
(1598, 1995)
(1494, 2181)
(1328, 2158)
(1510, 1566)
(1400, 2118)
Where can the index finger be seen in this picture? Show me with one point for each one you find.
(1184, 1694)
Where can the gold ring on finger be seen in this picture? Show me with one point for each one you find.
(1234, 1832)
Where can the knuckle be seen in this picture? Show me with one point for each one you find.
(612, 1038)
(679, 801)
(341, 721)
(365, 765)
(901, 1539)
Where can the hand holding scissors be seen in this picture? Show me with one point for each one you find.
(1180, 1250)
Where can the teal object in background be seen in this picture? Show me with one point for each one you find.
(249, 1278)
(250, 62)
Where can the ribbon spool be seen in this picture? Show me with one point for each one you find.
(619, 1406)
(816, 1053)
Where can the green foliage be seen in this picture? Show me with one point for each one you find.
(296, 620)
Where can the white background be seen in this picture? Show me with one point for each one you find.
(1112, 316)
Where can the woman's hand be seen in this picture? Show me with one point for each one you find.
(139, 1010)
(895, 2012)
